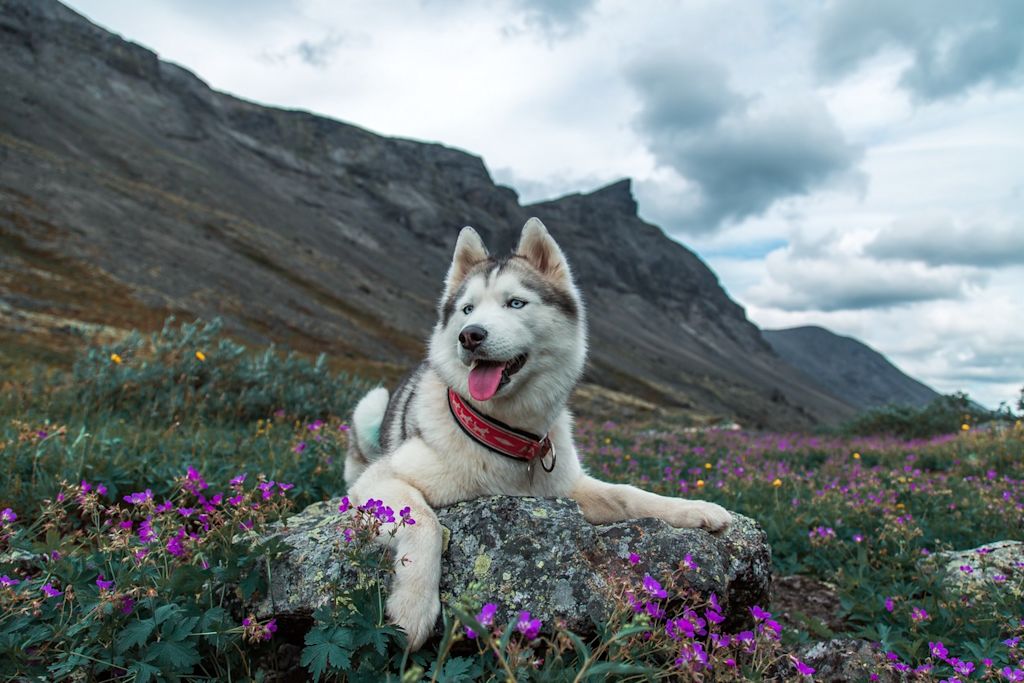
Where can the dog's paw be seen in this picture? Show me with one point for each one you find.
(415, 612)
(693, 514)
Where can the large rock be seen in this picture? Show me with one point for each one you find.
(536, 554)
(981, 569)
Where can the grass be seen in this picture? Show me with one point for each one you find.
(131, 548)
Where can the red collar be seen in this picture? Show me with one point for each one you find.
(498, 436)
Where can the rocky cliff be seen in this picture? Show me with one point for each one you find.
(129, 189)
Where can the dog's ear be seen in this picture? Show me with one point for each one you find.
(469, 251)
(538, 247)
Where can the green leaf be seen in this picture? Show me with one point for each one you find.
(180, 657)
(143, 672)
(456, 670)
(164, 612)
(135, 633)
(605, 669)
(329, 648)
(178, 630)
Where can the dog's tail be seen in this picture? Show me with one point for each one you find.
(364, 443)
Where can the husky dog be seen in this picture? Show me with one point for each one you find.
(483, 410)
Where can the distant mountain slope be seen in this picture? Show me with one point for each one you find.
(847, 368)
(129, 189)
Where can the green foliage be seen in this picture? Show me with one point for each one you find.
(192, 371)
(944, 415)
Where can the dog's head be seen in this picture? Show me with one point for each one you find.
(509, 325)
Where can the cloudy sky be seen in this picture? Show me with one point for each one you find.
(856, 164)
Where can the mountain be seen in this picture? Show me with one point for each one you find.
(848, 368)
(130, 190)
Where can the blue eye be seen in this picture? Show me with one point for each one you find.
(516, 303)
(467, 309)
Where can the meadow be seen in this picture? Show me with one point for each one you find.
(135, 490)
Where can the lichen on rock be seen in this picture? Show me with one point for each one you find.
(535, 554)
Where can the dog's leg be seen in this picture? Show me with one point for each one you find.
(413, 603)
(603, 503)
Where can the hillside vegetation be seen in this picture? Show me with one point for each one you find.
(135, 487)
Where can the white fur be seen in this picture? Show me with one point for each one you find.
(442, 466)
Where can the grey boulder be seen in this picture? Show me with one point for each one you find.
(535, 554)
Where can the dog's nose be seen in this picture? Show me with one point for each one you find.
(472, 336)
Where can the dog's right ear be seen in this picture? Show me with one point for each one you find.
(469, 251)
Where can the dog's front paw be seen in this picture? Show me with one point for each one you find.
(414, 611)
(693, 514)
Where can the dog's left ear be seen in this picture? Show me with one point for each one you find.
(538, 247)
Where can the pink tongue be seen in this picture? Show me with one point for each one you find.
(484, 380)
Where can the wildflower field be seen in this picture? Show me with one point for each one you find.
(136, 490)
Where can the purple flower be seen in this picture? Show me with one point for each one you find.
(634, 558)
(237, 481)
(269, 629)
(196, 481)
(759, 613)
(527, 626)
(186, 512)
(689, 563)
(50, 591)
(175, 546)
(247, 525)
(8, 515)
(7, 581)
(139, 497)
(236, 500)
(485, 617)
(300, 447)
(889, 605)
(345, 505)
(961, 667)
(938, 650)
(406, 515)
(103, 584)
(919, 614)
(653, 587)
(1012, 674)
(146, 530)
(315, 425)
(284, 486)
(101, 489)
(802, 668)
(967, 569)
(348, 534)
(126, 605)
(343, 428)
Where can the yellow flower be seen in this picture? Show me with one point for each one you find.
(700, 483)
(116, 358)
(856, 456)
(777, 483)
(707, 466)
(900, 506)
(201, 356)
(607, 440)
(965, 427)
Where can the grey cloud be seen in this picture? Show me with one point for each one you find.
(955, 46)
(319, 53)
(826, 294)
(739, 155)
(820, 275)
(941, 242)
(555, 18)
(681, 94)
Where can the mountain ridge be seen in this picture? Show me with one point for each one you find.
(848, 367)
(131, 172)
